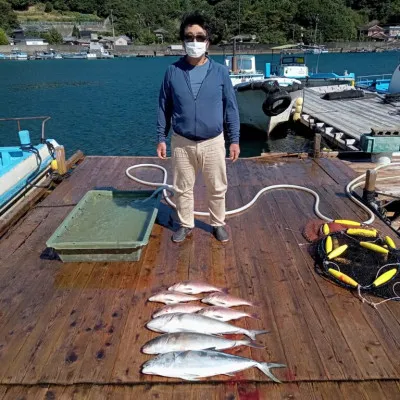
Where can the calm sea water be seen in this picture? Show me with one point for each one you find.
(108, 107)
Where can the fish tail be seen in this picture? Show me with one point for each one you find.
(266, 368)
(250, 343)
(253, 333)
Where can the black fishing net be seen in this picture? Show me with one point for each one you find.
(368, 265)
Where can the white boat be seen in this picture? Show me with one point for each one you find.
(82, 55)
(315, 49)
(15, 54)
(21, 167)
(264, 101)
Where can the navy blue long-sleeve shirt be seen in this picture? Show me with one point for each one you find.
(202, 117)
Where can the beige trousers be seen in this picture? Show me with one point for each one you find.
(189, 158)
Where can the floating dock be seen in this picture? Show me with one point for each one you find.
(342, 122)
(75, 330)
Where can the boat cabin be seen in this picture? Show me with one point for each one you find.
(292, 67)
(245, 69)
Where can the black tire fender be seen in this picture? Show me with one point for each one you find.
(276, 103)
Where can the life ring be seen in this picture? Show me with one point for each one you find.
(276, 103)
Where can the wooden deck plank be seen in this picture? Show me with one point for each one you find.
(353, 390)
(327, 390)
(101, 352)
(81, 325)
(288, 316)
(357, 116)
(26, 297)
(241, 272)
(16, 237)
(376, 390)
(39, 344)
(391, 389)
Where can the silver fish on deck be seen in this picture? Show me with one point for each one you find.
(178, 308)
(192, 365)
(170, 297)
(225, 313)
(183, 341)
(225, 300)
(171, 323)
(194, 287)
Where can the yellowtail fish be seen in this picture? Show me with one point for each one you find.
(225, 313)
(193, 287)
(169, 297)
(178, 308)
(192, 365)
(225, 300)
(183, 341)
(171, 323)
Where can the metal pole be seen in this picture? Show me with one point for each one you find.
(112, 24)
(234, 60)
(239, 17)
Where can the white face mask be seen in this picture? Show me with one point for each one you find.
(196, 49)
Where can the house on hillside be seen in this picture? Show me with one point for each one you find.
(34, 42)
(372, 31)
(122, 41)
(161, 33)
(110, 42)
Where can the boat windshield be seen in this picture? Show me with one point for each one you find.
(293, 60)
(244, 63)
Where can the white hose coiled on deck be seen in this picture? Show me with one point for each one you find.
(349, 188)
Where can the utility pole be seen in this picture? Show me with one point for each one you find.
(316, 26)
(112, 24)
(239, 17)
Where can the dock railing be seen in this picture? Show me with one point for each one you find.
(369, 79)
(19, 119)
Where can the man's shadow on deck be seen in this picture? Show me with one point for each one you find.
(168, 219)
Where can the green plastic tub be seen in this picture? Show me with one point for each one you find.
(107, 225)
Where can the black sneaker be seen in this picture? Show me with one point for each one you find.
(181, 234)
(220, 233)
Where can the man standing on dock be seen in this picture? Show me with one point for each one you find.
(197, 99)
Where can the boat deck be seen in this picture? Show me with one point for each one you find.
(347, 119)
(75, 330)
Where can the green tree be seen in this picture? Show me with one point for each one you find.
(53, 36)
(3, 38)
(48, 8)
(147, 37)
(19, 4)
(8, 18)
(75, 32)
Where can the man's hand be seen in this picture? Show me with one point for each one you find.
(162, 151)
(234, 151)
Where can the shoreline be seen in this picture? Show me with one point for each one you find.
(165, 51)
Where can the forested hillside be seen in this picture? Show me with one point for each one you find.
(273, 21)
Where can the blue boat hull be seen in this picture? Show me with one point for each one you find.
(19, 168)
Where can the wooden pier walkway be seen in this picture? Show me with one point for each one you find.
(344, 121)
(74, 330)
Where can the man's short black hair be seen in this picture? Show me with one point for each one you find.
(194, 18)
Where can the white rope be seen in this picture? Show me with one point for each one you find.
(349, 188)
